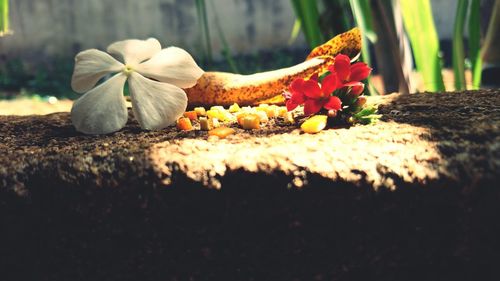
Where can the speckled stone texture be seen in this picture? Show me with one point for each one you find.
(413, 197)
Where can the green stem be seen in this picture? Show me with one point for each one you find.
(475, 42)
(458, 45)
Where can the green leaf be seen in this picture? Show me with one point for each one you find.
(363, 16)
(370, 119)
(367, 115)
(366, 112)
(419, 23)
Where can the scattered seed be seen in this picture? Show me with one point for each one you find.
(192, 115)
(234, 108)
(221, 132)
(214, 113)
(200, 111)
(314, 124)
(184, 124)
(250, 122)
(204, 124)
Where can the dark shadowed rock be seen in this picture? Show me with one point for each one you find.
(413, 197)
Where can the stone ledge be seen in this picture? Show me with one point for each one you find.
(414, 197)
(421, 140)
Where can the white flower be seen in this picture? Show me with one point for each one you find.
(155, 78)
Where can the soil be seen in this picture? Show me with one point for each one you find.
(413, 197)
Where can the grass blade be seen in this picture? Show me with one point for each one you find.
(458, 58)
(475, 42)
(362, 14)
(419, 23)
(4, 17)
(308, 15)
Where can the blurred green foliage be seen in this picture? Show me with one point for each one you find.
(419, 27)
(319, 20)
(262, 60)
(53, 78)
(43, 79)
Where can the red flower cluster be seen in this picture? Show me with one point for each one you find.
(342, 78)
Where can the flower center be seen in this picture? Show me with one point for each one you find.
(127, 70)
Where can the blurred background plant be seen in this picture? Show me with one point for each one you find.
(18, 80)
(388, 26)
(400, 40)
(4, 17)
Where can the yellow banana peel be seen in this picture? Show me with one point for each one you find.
(222, 88)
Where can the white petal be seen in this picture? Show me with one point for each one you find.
(172, 65)
(90, 66)
(101, 110)
(135, 51)
(155, 105)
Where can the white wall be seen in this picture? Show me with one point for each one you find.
(444, 16)
(52, 27)
(63, 27)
